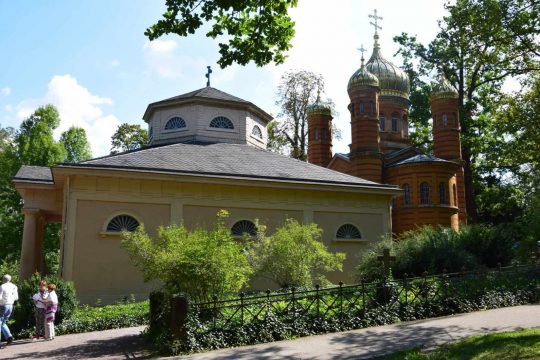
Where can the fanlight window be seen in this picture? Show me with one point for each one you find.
(443, 194)
(221, 122)
(348, 231)
(122, 223)
(257, 132)
(406, 194)
(382, 125)
(242, 227)
(424, 194)
(175, 123)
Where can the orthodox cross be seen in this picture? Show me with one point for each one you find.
(209, 71)
(362, 50)
(375, 18)
(386, 259)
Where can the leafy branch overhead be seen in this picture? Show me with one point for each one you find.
(257, 30)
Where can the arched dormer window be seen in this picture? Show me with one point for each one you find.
(444, 119)
(424, 194)
(122, 222)
(244, 227)
(406, 195)
(394, 123)
(175, 123)
(382, 123)
(221, 122)
(362, 108)
(256, 132)
(371, 108)
(443, 194)
(348, 232)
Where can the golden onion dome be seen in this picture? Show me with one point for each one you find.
(443, 90)
(361, 78)
(319, 107)
(392, 80)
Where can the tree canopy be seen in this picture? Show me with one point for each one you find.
(257, 30)
(76, 144)
(128, 137)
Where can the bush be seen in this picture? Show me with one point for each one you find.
(201, 263)
(23, 315)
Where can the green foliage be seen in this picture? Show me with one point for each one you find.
(434, 250)
(295, 256)
(76, 144)
(24, 313)
(259, 31)
(128, 137)
(202, 263)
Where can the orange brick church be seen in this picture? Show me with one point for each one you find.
(380, 150)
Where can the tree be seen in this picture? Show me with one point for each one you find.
(202, 263)
(295, 256)
(257, 30)
(296, 91)
(479, 45)
(128, 137)
(76, 144)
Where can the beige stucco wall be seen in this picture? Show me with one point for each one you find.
(101, 269)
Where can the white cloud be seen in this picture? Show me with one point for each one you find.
(165, 60)
(6, 91)
(77, 107)
(114, 63)
(8, 108)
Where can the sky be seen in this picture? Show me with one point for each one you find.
(91, 60)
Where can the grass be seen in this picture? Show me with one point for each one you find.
(522, 344)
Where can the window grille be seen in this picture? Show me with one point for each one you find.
(122, 223)
(242, 227)
(406, 194)
(348, 231)
(424, 194)
(257, 132)
(382, 125)
(221, 122)
(175, 123)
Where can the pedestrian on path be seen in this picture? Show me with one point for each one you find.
(40, 307)
(8, 296)
(50, 312)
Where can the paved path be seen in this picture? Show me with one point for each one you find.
(381, 340)
(109, 344)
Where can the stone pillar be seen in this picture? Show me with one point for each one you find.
(32, 243)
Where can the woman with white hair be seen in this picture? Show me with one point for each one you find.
(8, 296)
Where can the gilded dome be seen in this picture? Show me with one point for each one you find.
(319, 107)
(443, 90)
(362, 77)
(392, 80)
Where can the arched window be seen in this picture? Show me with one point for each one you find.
(221, 122)
(257, 132)
(443, 194)
(406, 195)
(371, 107)
(444, 119)
(122, 223)
(316, 134)
(455, 194)
(394, 123)
(324, 134)
(435, 120)
(175, 123)
(361, 108)
(243, 227)
(347, 232)
(424, 194)
(382, 125)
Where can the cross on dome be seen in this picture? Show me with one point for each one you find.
(375, 18)
(362, 50)
(209, 71)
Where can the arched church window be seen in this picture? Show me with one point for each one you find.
(121, 223)
(362, 108)
(348, 232)
(175, 123)
(221, 122)
(444, 119)
(371, 108)
(257, 132)
(443, 194)
(382, 121)
(244, 227)
(455, 194)
(394, 123)
(316, 134)
(435, 120)
(424, 194)
(406, 194)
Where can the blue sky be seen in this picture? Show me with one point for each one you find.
(92, 60)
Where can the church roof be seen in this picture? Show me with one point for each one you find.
(206, 94)
(421, 158)
(224, 160)
(40, 174)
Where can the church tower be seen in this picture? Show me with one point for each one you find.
(446, 137)
(319, 119)
(365, 154)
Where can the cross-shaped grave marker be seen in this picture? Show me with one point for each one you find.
(386, 259)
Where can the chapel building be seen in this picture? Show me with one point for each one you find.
(381, 151)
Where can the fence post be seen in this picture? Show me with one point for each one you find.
(242, 307)
(293, 306)
(363, 298)
(214, 315)
(341, 299)
(405, 289)
(317, 287)
(179, 313)
(267, 304)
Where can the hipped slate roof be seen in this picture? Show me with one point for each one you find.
(41, 174)
(224, 160)
(422, 158)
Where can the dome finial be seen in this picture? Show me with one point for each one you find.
(375, 24)
(362, 50)
(318, 96)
